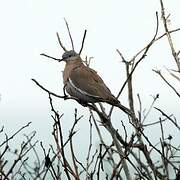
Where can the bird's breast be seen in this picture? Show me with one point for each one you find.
(67, 70)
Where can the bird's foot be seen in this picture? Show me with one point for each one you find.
(83, 103)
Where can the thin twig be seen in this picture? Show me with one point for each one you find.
(69, 34)
(89, 148)
(82, 45)
(141, 58)
(154, 123)
(49, 92)
(159, 73)
(177, 60)
(74, 160)
(61, 137)
(173, 75)
(140, 108)
(12, 136)
(76, 119)
(168, 117)
(23, 151)
(60, 43)
(156, 39)
(150, 108)
(2, 129)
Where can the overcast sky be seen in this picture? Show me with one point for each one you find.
(28, 28)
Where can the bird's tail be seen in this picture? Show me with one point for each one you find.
(116, 102)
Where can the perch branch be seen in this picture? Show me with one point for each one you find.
(51, 93)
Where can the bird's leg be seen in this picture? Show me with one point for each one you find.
(64, 91)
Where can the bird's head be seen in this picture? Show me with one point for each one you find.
(70, 56)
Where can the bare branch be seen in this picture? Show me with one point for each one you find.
(60, 43)
(58, 117)
(141, 58)
(175, 55)
(173, 75)
(129, 150)
(120, 54)
(12, 136)
(82, 45)
(149, 110)
(159, 73)
(168, 117)
(49, 92)
(69, 34)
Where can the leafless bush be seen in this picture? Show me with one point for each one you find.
(130, 155)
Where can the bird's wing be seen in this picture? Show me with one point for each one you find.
(89, 82)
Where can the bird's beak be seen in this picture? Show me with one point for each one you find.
(56, 59)
(60, 60)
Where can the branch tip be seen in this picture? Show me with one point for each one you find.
(82, 44)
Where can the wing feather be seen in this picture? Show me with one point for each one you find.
(87, 80)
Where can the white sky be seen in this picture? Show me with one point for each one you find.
(28, 28)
